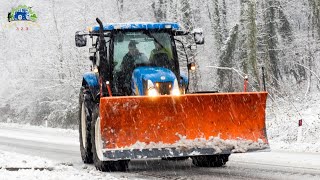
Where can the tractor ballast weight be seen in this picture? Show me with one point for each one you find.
(156, 117)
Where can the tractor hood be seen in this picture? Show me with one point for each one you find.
(155, 74)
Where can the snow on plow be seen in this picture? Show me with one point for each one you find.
(186, 125)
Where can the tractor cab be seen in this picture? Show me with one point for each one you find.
(136, 54)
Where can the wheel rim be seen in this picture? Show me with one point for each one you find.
(97, 139)
(83, 125)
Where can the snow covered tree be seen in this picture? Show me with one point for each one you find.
(271, 40)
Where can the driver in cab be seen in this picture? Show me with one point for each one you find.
(129, 61)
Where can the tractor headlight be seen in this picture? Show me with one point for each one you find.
(175, 89)
(176, 92)
(151, 90)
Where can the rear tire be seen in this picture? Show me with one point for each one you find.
(120, 165)
(85, 108)
(210, 160)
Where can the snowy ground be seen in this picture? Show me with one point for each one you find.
(19, 166)
(283, 114)
(262, 165)
(29, 152)
(34, 161)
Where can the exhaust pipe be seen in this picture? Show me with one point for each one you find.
(102, 40)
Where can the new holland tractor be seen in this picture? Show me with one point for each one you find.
(135, 103)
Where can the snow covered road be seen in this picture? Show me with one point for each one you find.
(28, 146)
(51, 143)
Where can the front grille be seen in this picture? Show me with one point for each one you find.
(164, 88)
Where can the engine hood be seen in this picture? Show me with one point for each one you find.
(154, 74)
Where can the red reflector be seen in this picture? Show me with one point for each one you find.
(300, 122)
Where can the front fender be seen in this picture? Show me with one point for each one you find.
(90, 80)
(184, 80)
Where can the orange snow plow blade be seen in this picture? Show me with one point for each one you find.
(186, 121)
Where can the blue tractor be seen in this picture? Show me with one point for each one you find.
(135, 102)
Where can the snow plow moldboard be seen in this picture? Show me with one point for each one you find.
(187, 125)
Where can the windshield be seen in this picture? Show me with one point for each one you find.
(146, 48)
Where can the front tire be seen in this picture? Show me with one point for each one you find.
(120, 165)
(210, 160)
(85, 108)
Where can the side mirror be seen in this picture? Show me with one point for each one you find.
(81, 40)
(198, 36)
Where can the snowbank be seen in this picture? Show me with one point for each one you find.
(18, 166)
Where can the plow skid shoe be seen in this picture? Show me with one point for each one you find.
(187, 125)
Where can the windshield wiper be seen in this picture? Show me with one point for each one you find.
(152, 36)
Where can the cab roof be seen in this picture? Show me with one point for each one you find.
(138, 26)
